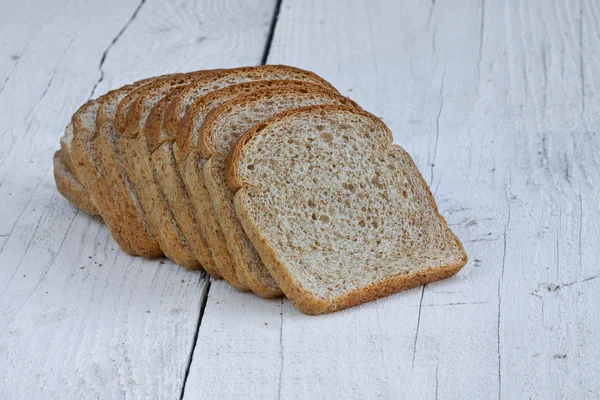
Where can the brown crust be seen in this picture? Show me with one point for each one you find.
(186, 128)
(130, 109)
(305, 301)
(173, 122)
(70, 188)
(206, 135)
(227, 222)
(131, 240)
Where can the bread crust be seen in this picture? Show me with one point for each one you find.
(70, 188)
(301, 298)
(136, 159)
(177, 109)
(242, 254)
(109, 181)
(189, 163)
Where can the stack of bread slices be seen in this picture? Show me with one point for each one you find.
(263, 176)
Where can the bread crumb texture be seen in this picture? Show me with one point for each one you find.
(342, 208)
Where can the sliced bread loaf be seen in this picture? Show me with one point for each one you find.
(190, 164)
(161, 130)
(70, 188)
(89, 123)
(220, 131)
(66, 147)
(339, 214)
(179, 107)
(136, 158)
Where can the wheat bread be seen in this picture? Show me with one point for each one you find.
(70, 188)
(66, 147)
(177, 110)
(92, 124)
(339, 214)
(189, 163)
(219, 132)
(130, 122)
(169, 184)
(161, 131)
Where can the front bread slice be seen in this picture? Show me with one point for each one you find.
(339, 215)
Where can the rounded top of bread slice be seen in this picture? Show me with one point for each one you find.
(179, 107)
(109, 102)
(133, 110)
(229, 116)
(192, 123)
(339, 214)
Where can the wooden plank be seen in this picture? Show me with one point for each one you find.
(76, 314)
(496, 103)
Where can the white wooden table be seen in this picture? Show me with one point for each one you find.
(497, 101)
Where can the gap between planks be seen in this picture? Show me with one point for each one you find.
(204, 299)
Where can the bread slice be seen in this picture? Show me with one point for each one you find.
(70, 188)
(189, 163)
(219, 133)
(339, 214)
(89, 123)
(130, 122)
(161, 130)
(83, 160)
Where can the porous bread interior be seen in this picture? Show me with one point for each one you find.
(341, 207)
(226, 125)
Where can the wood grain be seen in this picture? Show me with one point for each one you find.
(497, 103)
(78, 317)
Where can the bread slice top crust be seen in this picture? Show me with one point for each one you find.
(195, 117)
(224, 125)
(212, 139)
(178, 108)
(109, 102)
(338, 213)
(86, 117)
